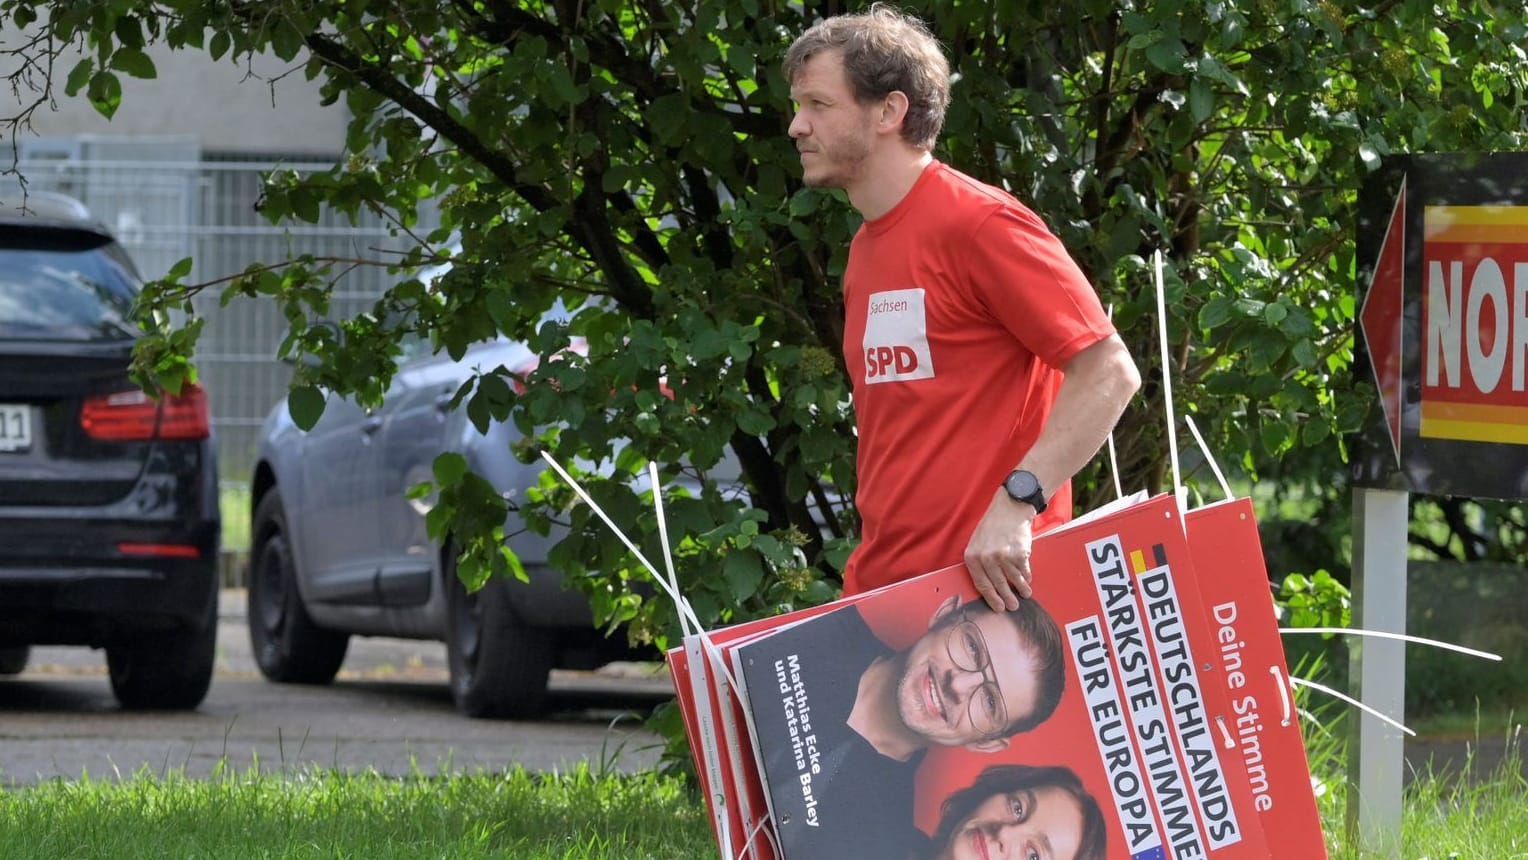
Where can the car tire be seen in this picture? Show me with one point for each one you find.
(288, 647)
(165, 670)
(13, 660)
(499, 665)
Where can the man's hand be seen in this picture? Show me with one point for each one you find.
(998, 554)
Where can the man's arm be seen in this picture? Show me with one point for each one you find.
(1099, 381)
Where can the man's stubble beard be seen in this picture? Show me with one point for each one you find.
(844, 163)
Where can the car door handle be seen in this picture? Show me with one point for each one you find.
(370, 424)
(444, 398)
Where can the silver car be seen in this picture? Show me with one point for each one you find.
(338, 549)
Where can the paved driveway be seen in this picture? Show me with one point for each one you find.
(389, 710)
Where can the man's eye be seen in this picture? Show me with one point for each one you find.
(1016, 806)
(973, 647)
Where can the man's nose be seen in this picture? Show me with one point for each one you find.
(799, 127)
(964, 682)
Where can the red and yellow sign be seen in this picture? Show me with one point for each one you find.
(1475, 323)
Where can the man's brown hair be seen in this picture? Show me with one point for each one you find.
(884, 51)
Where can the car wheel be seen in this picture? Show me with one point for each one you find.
(13, 661)
(499, 664)
(288, 647)
(165, 670)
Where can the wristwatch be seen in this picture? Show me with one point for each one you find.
(1023, 486)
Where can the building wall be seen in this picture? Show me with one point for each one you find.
(251, 105)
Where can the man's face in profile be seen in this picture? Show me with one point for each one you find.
(967, 679)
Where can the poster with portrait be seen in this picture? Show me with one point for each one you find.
(1096, 722)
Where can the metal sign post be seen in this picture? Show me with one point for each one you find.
(1375, 749)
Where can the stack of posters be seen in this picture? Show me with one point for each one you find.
(1138, 707)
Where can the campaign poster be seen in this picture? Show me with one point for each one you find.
(918, 724)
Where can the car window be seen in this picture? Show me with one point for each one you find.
(79, 289)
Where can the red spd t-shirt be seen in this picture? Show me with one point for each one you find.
(961, 308)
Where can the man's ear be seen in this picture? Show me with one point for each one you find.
(893, 111)
(949, 605)
(990, 746)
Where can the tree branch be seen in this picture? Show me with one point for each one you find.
(626, 286)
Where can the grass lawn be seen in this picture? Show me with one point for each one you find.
(233, 507)
(572, 816)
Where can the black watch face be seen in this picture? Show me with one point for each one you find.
(1022, 485)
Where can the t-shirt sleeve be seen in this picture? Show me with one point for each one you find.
(1026, 279)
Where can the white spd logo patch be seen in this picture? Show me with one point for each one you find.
(896, 338)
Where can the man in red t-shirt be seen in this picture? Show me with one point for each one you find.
(985, 371)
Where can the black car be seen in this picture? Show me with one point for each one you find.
(108, 497)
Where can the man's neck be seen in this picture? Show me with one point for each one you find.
(889, 176)
(874, 716)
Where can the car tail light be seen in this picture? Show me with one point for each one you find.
(160, 550)
(125, 416)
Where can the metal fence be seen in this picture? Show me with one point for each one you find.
(166, 201)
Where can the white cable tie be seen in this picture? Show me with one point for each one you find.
(1381, 634)
(1167, 375)
(668, 553)
(1226, 739)
(769, 836)
(1119, 489)
(1301, 682)
(1208, 457)
(1284, 699)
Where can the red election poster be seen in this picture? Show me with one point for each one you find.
(1137, 724)
(1100, 721)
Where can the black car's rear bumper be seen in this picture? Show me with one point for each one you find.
(66, 581)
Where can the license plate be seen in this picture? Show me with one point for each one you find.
(15, 427)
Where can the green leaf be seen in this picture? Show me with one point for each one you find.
(304, 203)
(79, 76)
(516, 567)
(1304, 353)
(563, 87)
(755, 422)
(219, 44)
(1215, 313)
(668, 116)
(449, 468)
(742, 572)
(181, 269)
(804, 203)
(1168, 55)
(1315, 432)
(105, 93)
(1275, 435)
(1201, 99)
(305, 404)
(286, 40)
(133, 62)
